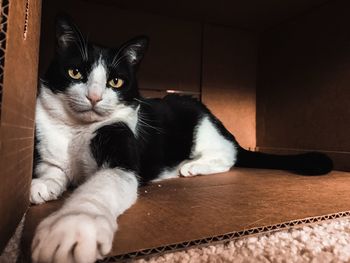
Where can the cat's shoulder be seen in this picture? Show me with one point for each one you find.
(174, 104)
(172, 100)
(180, 98)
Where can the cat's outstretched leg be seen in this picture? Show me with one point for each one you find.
(49, 185)
(82, 230)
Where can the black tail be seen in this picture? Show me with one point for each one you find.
(312, 163)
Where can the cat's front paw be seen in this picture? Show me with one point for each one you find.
(43, 190)
(73, 238)
(194, 168)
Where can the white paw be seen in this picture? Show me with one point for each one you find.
(193, 168)
(73, 238)
(196, 167)
(43, 190)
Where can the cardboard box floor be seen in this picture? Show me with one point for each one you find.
(184, 212)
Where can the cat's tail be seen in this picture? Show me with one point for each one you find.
(312, 163)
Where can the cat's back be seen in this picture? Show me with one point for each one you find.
(174, 108)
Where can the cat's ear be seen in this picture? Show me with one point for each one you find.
(135, 49)
(66, 32)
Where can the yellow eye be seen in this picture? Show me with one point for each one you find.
(116, 83)
(74, 73)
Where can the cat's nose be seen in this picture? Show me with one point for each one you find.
(94, 99)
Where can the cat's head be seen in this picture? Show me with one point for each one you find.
(93, 81)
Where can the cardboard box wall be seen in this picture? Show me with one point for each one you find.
(303, 84)
(20, 24)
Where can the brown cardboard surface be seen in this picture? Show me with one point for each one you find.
(17, 112)
(303, 84)
(241, 202)
(252, 15)
(229, 79)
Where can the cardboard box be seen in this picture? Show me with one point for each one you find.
(276, 73)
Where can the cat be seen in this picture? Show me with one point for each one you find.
(95, 131)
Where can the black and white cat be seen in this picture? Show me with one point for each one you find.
(95, 131)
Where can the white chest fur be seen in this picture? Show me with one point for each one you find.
(54, 138)
(64, 142)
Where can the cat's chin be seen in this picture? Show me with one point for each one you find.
(89, 116)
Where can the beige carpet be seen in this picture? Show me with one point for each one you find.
(11, 251)
(324, 242)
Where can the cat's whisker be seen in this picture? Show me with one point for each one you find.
(144, 118)
(142, 102)
(140, 134)
(81, 43)
(119, 61)
(86, 46)
(43, 81)
(79, 48)
(114, 58)
(150, 126)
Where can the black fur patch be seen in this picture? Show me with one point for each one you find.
(36, 155)
(115, 146)
(166, 130)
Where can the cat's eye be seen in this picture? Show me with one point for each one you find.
(74, 73)
(116, 83)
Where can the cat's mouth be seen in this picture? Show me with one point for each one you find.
(85, 110)
(92, 110)
(90, 115)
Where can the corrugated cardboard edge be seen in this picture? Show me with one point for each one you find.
(4, 10)
(225, 237)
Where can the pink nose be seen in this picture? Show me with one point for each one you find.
(94, 99)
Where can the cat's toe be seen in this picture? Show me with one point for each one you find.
(42, 191)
